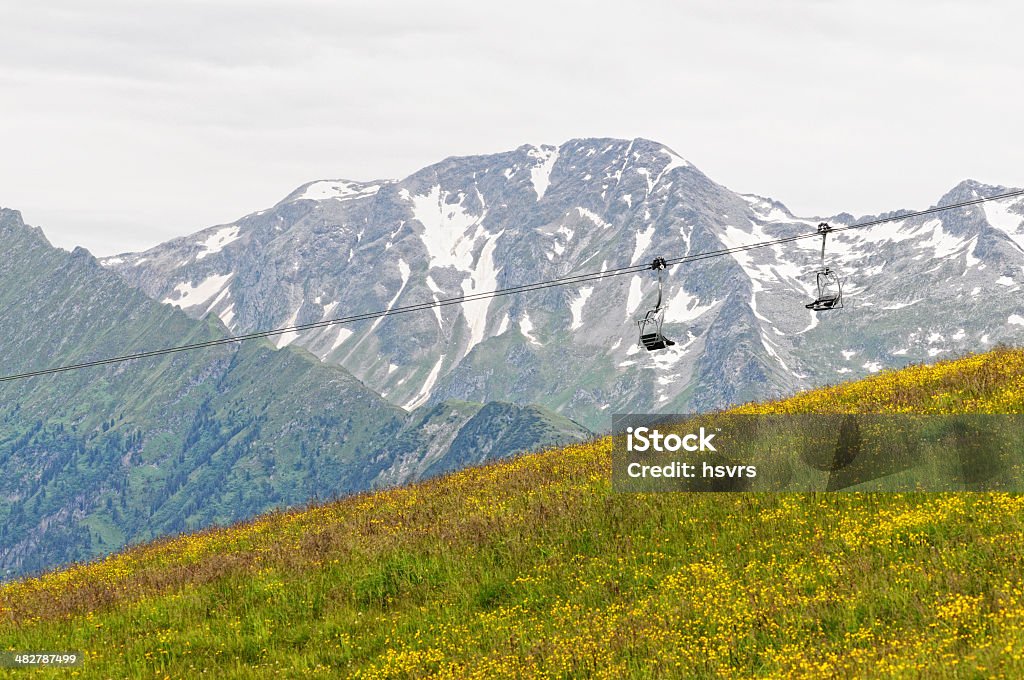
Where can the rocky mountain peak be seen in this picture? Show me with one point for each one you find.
(13, 226)
(474, 224)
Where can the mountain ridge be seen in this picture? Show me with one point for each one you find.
(98, 457)
(474, 223)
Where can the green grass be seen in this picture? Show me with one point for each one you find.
(535, 568)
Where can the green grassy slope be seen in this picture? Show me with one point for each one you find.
(535, 568)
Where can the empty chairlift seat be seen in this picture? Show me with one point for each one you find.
(830, 288)
(650, 331)
(651, 337)
(830, 291)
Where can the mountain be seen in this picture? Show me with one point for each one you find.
(536, 568)
(98, 457)
(916, 288)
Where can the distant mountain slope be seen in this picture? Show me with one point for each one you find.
(336, 247)
(98, 457)
(536, 568)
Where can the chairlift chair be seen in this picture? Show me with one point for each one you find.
(651, 337)
(830, 288)
(830, 291)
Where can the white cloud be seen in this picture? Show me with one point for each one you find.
(126, 123)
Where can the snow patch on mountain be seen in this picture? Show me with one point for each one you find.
(576, 307)
(483, 279)
(999, 216)
(635, 296)
(540, 174)
(445, 227)
(643, 242)
(674, 161)
(772, 350)
(216, 241)
(436, 291)
(683, 308)
(404, 271)
(811, 325)
(343, 335)
(189, 295)
(646, 174)
(942, 243)
(526, 328)
(970, 258)
(217, 300)
(338, 189)
(424, 393)
(766, 209)
(287, 338)
(764, 276)
(755, 289)
(666, 359)
(593, 217)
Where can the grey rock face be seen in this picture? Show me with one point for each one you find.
(916, 289)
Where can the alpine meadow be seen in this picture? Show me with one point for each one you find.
(533, 567)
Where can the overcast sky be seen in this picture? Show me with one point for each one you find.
(125, 123)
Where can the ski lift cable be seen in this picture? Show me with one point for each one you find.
(569, 280)
(860, 225)
(473, 297)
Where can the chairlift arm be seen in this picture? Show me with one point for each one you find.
(661, 285)
(823, 229)
(659, 265)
